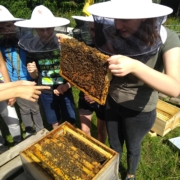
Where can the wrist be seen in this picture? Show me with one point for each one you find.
(34, 74)
(136, 66)
(17, 91)
(69, 85)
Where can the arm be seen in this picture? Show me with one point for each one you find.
(88, 99)
(4, 86)
(62, 88)
(167, 83)
(3, 69)
(5, 74)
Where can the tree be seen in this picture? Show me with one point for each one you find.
(174, 4)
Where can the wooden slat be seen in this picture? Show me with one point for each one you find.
(14, 152)
(10, 168)
(97, 148)
(168, 108)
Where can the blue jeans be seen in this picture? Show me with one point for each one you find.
(129, 126)
(58, 108)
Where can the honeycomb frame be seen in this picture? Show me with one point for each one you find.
(86, 68)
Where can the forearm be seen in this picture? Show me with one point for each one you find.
(3, 69)
(161, 82)
(8, 93)
(4, 86)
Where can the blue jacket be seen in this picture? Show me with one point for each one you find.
(15, 58)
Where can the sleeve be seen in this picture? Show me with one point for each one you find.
(29, 58)
(172, 41)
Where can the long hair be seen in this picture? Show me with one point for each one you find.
(148, 31)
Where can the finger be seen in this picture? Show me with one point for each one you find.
(32, 99)
(114, 67)
(119, 74)
(37, 92)
(88, 99)
(56, 93)
(92, 102)
(28, 83)
(42, 87)
(35, 96)
(114, 58)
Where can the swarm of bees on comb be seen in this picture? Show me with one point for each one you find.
(86, 68)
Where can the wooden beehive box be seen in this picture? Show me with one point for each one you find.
(167, 118)
(67, 153)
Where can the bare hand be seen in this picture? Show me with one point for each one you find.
(121, 65)
(31, 67)
(56, 92)
(62, 36)
(11, 101)
(30, 93)
(88, 99)
(63, 88)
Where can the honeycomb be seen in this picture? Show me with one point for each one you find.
(64, 154)
(86, 68)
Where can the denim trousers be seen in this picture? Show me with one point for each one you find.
(58, 108)
(127, 126)
(10, 117)
(30, 114)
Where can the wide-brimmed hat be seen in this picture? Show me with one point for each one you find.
(6, 16)
(42, 17)
(129, 9)
(84, 18)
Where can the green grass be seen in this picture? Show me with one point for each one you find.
(174, 24)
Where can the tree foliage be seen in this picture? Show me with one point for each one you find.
(24, 8)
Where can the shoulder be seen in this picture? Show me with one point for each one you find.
(172, 40)
(172, 34)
